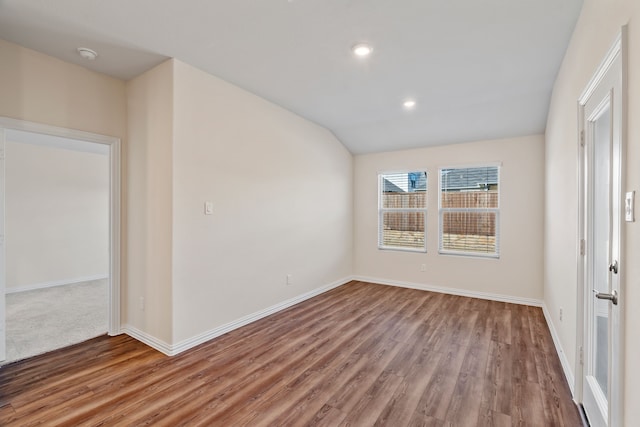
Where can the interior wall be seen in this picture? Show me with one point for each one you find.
(518, 271)
(42, 89)
(57, 215)
(149, 200)
(595, 32)
(39, 88)
(281, 189)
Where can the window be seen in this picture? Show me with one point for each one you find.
(469, 211)
(402, 211)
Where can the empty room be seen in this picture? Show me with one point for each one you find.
(411, 213)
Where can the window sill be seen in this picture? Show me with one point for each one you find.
(469, 254)
(394, 248)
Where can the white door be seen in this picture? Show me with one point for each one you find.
(601, 136)
(3, 342)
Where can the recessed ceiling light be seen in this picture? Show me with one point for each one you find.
(362, 50)
(409, 104)
(87, 53)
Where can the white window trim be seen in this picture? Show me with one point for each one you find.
(382, 210)
(470, 165)
(442, 210)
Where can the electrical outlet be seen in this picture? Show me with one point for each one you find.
(423, 267)
(289, 279)
(142, 303)
(561, 314)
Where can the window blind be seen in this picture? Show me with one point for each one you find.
(402, 210)
(469, 211)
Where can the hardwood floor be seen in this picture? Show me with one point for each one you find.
(361, 354)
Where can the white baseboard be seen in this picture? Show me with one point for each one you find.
(566, 367)
(149, 340)
(53, 283)
(453, 291)
(173, 349)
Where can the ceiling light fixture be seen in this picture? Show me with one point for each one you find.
(409, 104)
(362, 50)
(87, 53)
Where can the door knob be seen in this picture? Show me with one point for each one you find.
(613, 296)
(614, 267)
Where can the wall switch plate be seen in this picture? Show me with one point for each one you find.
(629, 208)
(289, 279)
(423, 267)
(208, 208)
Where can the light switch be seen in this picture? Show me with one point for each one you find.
(629, 215)
(208, 208)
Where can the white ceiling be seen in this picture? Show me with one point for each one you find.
(479, 69)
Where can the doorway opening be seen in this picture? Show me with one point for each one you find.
(65, 232)
(602, 110)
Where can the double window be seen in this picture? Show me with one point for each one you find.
(402, 211)
(469, 211)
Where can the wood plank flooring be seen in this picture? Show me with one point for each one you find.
(359, 355)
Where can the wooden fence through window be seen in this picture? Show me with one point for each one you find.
(464, 223)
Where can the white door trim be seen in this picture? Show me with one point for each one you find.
(3, 310)
(114, 201)
(619, 51)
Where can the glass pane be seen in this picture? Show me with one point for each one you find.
(469, 187)
(403, 230)
(470, 199)
(404, 190)
(600, 260)
(469, 232)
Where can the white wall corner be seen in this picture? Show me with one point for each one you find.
(566, 367)
(453, 291)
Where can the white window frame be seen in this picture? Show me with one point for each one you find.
(442, 211)
(382, 210)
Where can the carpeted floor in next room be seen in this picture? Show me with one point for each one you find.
(47, 319)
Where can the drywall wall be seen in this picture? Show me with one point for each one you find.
(38, 88)
(518, 271)
(149, 154)
(57, 215)
(595, 32)
(281, 189)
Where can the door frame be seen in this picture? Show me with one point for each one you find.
(114, 202)
(619, 51)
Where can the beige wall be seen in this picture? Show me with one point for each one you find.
(281, 189)
(518, 271)
(38, 88)
(149, 202)
(303, 227)
(42, 89)
(595, 32)
(57, 215)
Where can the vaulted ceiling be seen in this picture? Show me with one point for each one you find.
(476, 69)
